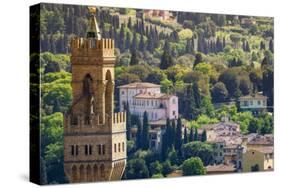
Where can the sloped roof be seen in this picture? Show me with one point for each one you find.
(140, 85)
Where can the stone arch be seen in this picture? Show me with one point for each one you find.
(89, 173)
(87, 84)
(74, 173)
(82, 173)
(102, 171)
(108, 93)
(95, 173)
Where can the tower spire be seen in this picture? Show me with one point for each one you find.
(93, 31)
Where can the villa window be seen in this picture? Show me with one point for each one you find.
(174, 112)
(259, 102)
(123, 146)
(72, 150)
(90, 150)
(76, 150)
(86, 150)
(263, 103)
(99, 149)
(103, 149)
(119, 147)
(115, 148)
(251, 102)
(174, 101)
(123, 93)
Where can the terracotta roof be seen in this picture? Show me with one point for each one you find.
(255, 96)
(140, 85)
(265, 149)
(220, 168)
(261, 139)
(152, 96)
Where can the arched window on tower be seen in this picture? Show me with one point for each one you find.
(87, 85)
(108, 93)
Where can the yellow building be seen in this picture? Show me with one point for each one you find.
(258, 159)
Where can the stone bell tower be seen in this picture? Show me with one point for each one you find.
(94, 136)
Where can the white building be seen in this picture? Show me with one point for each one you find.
(147, 97)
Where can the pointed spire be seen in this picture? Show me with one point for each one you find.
(93, 31)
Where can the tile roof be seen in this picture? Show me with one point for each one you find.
(255, 96)
(140, 85)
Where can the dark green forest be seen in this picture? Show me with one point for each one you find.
(202, 58)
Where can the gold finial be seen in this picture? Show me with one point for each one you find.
(92, 10)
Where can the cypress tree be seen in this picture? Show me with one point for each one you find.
(195, 135)
(204, 136)
(128, 121)
(271, 46)
(173, 133)
(189, 110)
(198, 59)
(191, 134)
(139, 134)
(185, 138)
(134, 59)
(166, 59)
(178, 139)
(145, 132)
(128, 41)
(141, 44)
(196, 93)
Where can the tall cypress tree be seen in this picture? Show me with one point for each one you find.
(178, 139)
(166, 59)
(128, 121)
(195, 135)
(191, 135)
(145, 132)
(204, 136)
(139, 134)
(185, 137)
(196, 93)
(189, 110)
(134, 59)
(173, 133)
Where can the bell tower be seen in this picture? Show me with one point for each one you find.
(94, 136)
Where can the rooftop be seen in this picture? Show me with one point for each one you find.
(220, 168)
(253, 96)
(140, 85)
(256, 139)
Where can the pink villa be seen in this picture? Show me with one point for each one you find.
(142, 96)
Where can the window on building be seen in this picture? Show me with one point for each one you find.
(115, 148)
(103, 149)
(123, 93)
(174, 112)
(251, 102)
(99, 149)
(72, 150)
(90, 150)
(86, 150)
(259, 102)
(119, 147)
(76, 150)
(245, 103)
(263, 103)
(174, 101)
(123, 146)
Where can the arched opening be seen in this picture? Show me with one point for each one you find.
(95, 173)
(108, 93)
(89, 173)
(74, 174)
(102, 171)
(87, 85)
(87, 91)
(82, 174)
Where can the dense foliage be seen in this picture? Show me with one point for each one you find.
(204, 59)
